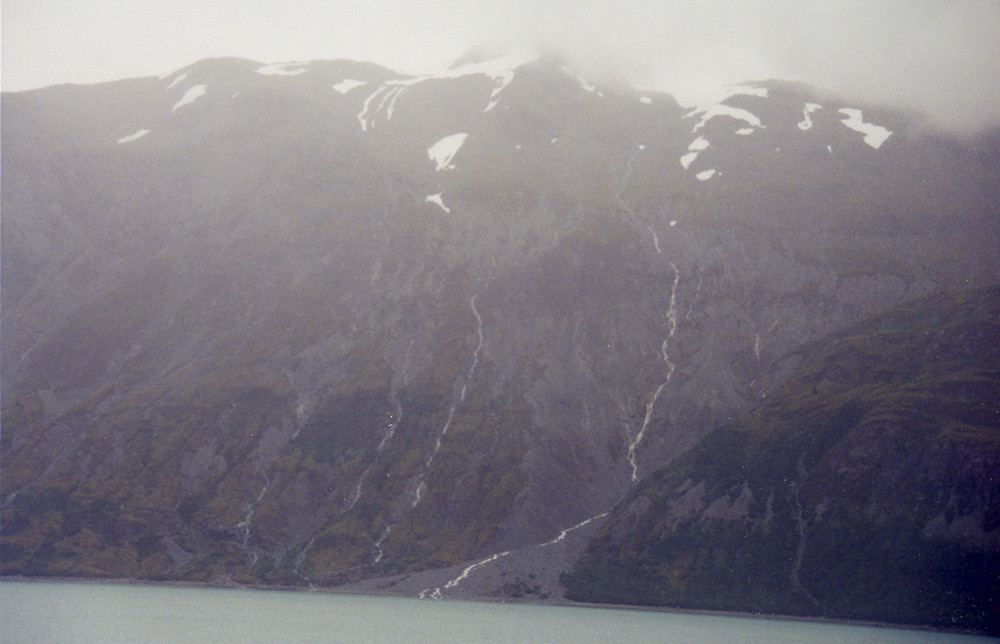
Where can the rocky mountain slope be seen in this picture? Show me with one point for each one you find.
(864, 487)
(314, 323)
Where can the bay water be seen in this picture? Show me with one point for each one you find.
(54, 612)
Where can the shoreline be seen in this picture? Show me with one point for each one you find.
(120, 581)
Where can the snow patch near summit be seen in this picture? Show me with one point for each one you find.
(710, 104)
(444, 150)
(700, 143)
(705, 175)
(501, 81)
(190, 96)
(710, 112)
(134, 136)
(282, 69)
(582, 82)
(806, 122)
(177, 81)
(875, 135)
(436, 199)
(748, 90)
(696, 146)
(348, 84)
(501, 70)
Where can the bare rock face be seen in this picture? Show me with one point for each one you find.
(322, 323)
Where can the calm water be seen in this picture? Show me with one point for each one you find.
(55, 612)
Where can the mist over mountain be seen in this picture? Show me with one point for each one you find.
(326, 325)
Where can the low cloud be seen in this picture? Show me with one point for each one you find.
(932, 57)
(926, 55)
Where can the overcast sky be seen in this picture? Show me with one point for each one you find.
(938, 56)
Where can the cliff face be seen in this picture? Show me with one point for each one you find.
(314, 323)
(866, 486)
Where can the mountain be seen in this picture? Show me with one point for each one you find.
(864, 487)
(321, 323)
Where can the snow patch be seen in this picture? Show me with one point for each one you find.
(444, 150)
(829, 149)
(390, 93)
(806, 122)
(190, 96)
(710, 104)
(500, 81)
(875, 135)
(645, 100)
(710, 112)
(582, 82)
(744, 131)
(436, 199)
(348, 84)
(134, 136)
(178, 80)
(282, 69)
(501, 70)
(494, 68)
(673, 222)
(705, 175)
(698, 144)
(733, 90)
(704, 96)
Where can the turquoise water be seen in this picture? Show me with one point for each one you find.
(56, 612)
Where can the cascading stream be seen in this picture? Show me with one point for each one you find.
(562, 535)
(624, 183)
(377, 551)
(438, 592)
(671, 316)
(247, 521)
(377, 547)
(422, 485)
(389, 433)
(300, 559)
(665, 351)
